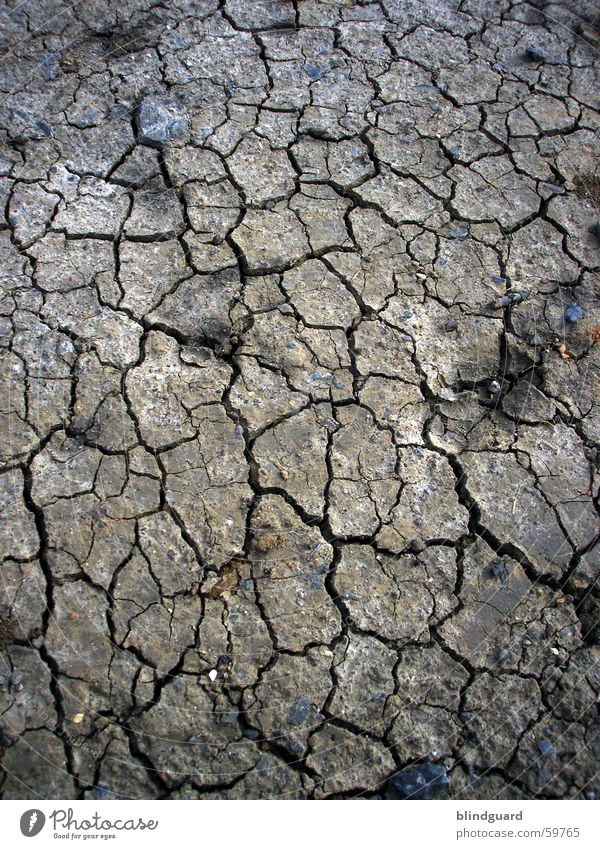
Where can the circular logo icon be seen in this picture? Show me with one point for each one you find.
(32, 822)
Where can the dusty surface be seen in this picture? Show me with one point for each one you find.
(299, 426)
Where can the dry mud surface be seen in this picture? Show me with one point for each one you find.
(300, 413)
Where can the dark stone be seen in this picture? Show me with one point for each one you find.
(416, 546)
(422, 781)
(535, 54)
(512, 298)
(451, 324)
(545, 747)
(314, 71)
(44, 128)
(299, 711)
(573, 312)
(229, 717)
(500, 571)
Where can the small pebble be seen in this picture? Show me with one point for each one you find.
(451, 324)
(212, 674)
(299, 711)
(573, 312)
(228, 718)
(500, 571)
(421, 781)
(161, 120)
(314, 71)
(512, 298)
(535, 53)
(545, 747)
(494, 387)
(552, 187)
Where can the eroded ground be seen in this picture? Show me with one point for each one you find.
(300, 419)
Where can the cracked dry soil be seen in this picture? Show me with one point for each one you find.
(299, 424)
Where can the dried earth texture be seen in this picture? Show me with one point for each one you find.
(299, 426)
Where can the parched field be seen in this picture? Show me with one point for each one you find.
(300, 345)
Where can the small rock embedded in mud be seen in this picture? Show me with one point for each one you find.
(459, 232)
(552, 187)
(499, 571)
(536, 54)
(299, 711)
(573, 312)
(545, 747)
(314, 71)
(494, 387)
(451, 324)
(512, 298)
(416, 546)
(160, 120)
(423, 781)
